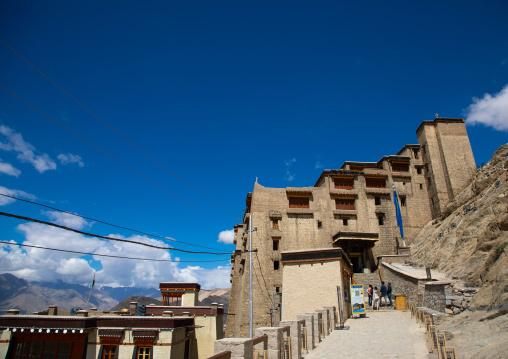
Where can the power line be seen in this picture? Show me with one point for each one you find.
(107, 255)
(114, 158)
(109, 224)
(261, 272)
(105, 237)
(117, 132)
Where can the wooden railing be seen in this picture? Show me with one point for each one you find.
(223, 355)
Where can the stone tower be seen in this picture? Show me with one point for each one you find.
(448, 160)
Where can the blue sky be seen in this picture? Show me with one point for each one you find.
(220, 93)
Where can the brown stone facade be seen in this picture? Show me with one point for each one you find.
(352, 208)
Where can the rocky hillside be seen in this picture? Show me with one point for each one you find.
(469, 241)
(469, 244)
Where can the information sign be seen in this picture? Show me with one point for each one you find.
(357, 301)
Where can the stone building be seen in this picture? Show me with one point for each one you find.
(350, 207)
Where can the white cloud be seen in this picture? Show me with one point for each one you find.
(289, 176)
(70, 158)
(26, 152)
(491, 110)
(8, 169)
(68, 220)
(12, 192)
(318, 165)
(36, 264)
(226, 237)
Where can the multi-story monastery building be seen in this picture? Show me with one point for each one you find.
(352, 208)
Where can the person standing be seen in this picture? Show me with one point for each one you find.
(369, 294)
(375, 299)
(389, 293)
(383, 293)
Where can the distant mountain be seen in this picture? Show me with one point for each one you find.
(125, 304)
(31, 297)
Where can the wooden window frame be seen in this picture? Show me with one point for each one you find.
(299, 201)
(106, 351)
(144, 355)
(345, 204)
(344, 183)
(375, 182)
(400, 167)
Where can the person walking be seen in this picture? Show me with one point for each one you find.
(375, 299)
(369, 294)
(389, 293)
(383, 293)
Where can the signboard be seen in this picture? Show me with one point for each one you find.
(357, 301)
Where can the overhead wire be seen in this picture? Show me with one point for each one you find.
(261, 272)
(106, 223)
(105, 237)
(114, 158)
(109, 255)
(117, 132)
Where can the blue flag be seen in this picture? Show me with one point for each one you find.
(397, 211)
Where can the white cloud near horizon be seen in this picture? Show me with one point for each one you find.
(491, 111)
(289, 176)
(226, 237)
(8, 169)
(35, 264)
(26, 152)
(70, 158)
(15, 193)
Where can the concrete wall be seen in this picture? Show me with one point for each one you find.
(310, 286)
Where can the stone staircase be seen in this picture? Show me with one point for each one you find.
(367, 278)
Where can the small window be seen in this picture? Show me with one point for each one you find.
(144, 352)
(417, 153)
(377, 201)
(380, 220)
(275, 244)
(403, 201)
(345, 203)
(277, 289)
(419, 170)
(275, 223)
(109, 351)
(421, 186)
(276, 265)
(299, 202)
(345, 221)
(319, 224)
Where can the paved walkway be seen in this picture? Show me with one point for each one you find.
(382, 334)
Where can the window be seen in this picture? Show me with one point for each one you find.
(421, 186)
(38, 350)
(143, 353)
(319, 224)
(276, 265)
(275, 244)
(400, 167)
(416, 152)
(109, 351)
(377, 201)
(277, 289)
(275, 223)
(403, 201)
(344, 221)
(381, 219)
(419, 170)
(345, 203)
(299, 202)
(344, 183)
(375, 182)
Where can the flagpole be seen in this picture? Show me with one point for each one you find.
(93, 283)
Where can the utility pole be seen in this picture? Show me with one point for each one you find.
(250, 276)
